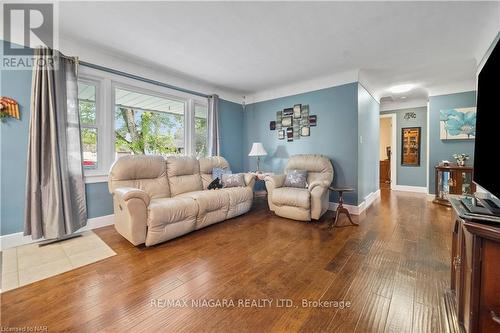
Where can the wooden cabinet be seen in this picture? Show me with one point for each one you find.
(385, 171)
(475, 275)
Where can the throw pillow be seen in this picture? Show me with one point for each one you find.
(215, 184)
(218, 172)
(296, 178)
(233, 180)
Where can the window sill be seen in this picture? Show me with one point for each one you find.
(91, 179)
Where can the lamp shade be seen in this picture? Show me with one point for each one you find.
(257, 150)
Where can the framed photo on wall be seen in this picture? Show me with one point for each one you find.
(410, 146)
(296, 111)
(286, 121)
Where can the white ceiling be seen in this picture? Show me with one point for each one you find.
(250, 48)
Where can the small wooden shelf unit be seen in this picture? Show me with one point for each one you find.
(453, 179)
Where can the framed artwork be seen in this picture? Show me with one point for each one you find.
(410, 146)
(286, 121)
(304, 110)
(288, 112)
(296, 131)
(312, 120)
(457, 124)
(297, 111)
(289, 134)
(293, 123)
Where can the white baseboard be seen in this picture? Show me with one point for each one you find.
(17, 239)
(357, 210)
(372, 197)
(354, 210)
(406, 188)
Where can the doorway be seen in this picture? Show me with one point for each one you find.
(387, 151)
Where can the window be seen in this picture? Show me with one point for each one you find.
(88, 123)
(122, 116)
(146, 124)
(201, 130)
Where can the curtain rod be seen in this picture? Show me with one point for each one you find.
(131, 76)
(140, 78)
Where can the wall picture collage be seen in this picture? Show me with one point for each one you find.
(292, 123)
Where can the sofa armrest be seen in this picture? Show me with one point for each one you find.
(274, 181)
(318, 183)
(249, 179)
(127, 193)
(131, 213)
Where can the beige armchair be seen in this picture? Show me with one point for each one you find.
(302, 204)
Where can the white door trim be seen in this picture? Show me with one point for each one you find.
(394, 148)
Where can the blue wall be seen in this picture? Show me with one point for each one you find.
(411, 175)
(368, 147)
(444, 149)
(13, 148)
(334, 136)
(231, 129)
(99, 200)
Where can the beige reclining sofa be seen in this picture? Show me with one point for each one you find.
(302, 204)
(157, 199)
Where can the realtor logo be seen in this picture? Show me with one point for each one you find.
(26, 26)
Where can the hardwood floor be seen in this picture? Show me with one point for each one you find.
(393, 269)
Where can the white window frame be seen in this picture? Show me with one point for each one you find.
(194, 116)
(140, 90)
(99, 123)
(105, 102)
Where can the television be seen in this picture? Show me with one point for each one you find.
(487, 143)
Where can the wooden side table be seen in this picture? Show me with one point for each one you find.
(340, 208)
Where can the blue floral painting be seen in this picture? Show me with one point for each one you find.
(457, 124)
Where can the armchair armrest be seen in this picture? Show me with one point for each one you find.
(274, 181)
(127, 193)
(318, 183)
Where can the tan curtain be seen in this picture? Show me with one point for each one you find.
(55, 190)
(213, 126)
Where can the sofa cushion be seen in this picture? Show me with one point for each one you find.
(240, 200)
(164, 211)
(292, 196)
(233, 180)
(145, 172)
(207, 164)
(319, 167)
(208, 200)
(296, 178)
(219, 172)
(213, 206)
(183, 175)
(238, 195)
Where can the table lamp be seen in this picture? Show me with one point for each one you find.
(257, 150)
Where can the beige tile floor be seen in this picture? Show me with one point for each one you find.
(26, 264)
